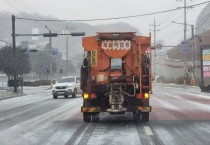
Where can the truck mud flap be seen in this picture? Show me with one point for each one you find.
(90, 109)
(144, 109)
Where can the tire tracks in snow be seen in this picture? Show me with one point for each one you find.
(86, 129)
(147, 134)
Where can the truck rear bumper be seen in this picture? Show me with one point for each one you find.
(94, 109)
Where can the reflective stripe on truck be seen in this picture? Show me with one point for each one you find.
(145, 109)
(90, 109)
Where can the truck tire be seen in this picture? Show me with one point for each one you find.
(145, 116)
(136, 117)
(74, 93)
(95, 117)
(55, 97)
(65, 96)
(87, 117)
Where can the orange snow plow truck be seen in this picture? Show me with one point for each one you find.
(116, 75)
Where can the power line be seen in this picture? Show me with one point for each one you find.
(124, 17)
(24, 11)
(27, 10)
(33, 10)
(18, 9)
(161, 18)
(177, 16)
(204, 21)
(168, 15)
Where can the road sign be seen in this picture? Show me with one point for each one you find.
(66, 33)
(159, 46)
(54, 52)
(35, 31)
(185, 50)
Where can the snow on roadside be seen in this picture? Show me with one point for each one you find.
(4, 93)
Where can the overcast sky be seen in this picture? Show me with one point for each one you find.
(90, 9)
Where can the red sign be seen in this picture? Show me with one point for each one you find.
(206, 74)
(206, 70)
(116, 44)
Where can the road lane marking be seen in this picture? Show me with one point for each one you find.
(148, 130)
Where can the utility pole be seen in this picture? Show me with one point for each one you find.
(14, 53)
(67, 50)
(193, 80)
(50, 53)
(185, 30)
(185, 61)
(185, 19)
(154, 31)
(193, 51)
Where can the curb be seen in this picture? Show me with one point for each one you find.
(9, 97)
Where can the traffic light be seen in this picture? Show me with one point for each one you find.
(78, 34)
(50, 34)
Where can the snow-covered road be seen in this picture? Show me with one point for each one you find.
(179, 116)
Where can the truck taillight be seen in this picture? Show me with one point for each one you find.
(86, 96)
(146, 95)
(139, 96)
(92, 96)
(89, 96)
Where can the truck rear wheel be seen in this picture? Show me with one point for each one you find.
(136, 117)
(95, 117)
(87, 117)
(145, 116)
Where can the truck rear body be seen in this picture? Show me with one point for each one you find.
(116, 75)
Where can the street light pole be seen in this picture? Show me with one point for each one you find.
(193, 49)
(196, 47)
(67, 46)
(155, 48)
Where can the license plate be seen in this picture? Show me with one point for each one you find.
(60, 92)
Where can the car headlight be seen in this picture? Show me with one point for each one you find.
(70, 86)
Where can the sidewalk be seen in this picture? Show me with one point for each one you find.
(4, 94)
(7, 94)
(190, 89)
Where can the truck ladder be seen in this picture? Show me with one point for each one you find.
(145, 59)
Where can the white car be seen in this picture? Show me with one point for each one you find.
(66, 86)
